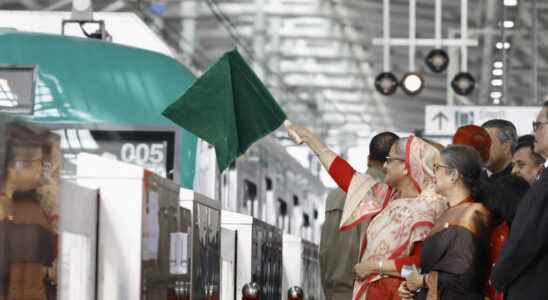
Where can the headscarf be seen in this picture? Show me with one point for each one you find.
(398, 222)
(366, 196)
(475, 137)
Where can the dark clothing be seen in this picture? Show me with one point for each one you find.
(523, 267)
(505, 172)
(455, 253)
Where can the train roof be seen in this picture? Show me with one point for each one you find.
(90, 81)
(126, 28)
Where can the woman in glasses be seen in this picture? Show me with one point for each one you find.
(455, 253)
(401, 211)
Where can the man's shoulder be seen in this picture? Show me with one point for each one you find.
(335, 200)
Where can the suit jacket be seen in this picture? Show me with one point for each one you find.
(339, 251)
(523, 267)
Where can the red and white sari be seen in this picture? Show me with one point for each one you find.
(397, 223)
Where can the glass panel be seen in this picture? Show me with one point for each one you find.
(165, 243)
(29, 209)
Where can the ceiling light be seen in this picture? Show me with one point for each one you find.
(508, 24)
(496, 94)
(386, 83)
(463, 83)
(498, 72)
(499, 45)
(496, 82)
(437, 60)
(412, 83)
(510, 2)
(498, 64)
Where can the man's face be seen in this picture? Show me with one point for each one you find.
(525, 165)
(541, 134)
(499, 152)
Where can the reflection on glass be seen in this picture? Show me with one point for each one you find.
(29, 210)
(267, 259)
(165, 246)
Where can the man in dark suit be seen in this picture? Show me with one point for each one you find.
(523, 266)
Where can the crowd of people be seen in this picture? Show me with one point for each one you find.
(427, 221)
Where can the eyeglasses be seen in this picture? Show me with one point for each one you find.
(438, 166)
(24, 164)
(538, 125)
(390, 159)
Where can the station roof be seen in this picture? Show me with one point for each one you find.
(318, 58)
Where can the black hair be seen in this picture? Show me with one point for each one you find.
(502, 196)
(528, 141)
(380, 144)
(467, 161)
(506, 130)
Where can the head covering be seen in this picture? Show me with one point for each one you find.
(366, 196)
(420, 157)
(475, 137)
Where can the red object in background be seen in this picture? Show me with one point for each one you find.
(498, 239)
(251, 291)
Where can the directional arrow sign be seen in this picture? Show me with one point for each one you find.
(440, 116)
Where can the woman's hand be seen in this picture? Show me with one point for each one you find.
(415, 280)
(405, 293)
(365, 268)
(299, 134)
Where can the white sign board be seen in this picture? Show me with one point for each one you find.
(445, 120)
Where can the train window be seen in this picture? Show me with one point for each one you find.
(17, 87)
(282, 207)
(268, 184)
(315, 214)
(295, 200)
(250, 191)
(306, 220)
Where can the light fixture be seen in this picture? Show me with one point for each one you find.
(496, 94)
(386, 83)
(496, 82)
(498, 64)
(510, 2)
(508, 24)
(412, 83)
(437, 60)
(498, 72)
(499, 45)
(463, 83)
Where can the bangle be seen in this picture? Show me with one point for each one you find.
(381, 267)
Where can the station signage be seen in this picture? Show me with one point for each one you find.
(445, 120)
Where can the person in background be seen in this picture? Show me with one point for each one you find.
(402, 210)
(527, 163)
(454, 254)
(475, 137)
(336, 262)
(522, 269)
(500, 194)
(503, 140)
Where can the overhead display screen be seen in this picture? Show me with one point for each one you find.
(153, 150)
(17, 89)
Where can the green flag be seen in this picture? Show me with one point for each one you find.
(228, 107)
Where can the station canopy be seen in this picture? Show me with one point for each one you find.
(318, 59)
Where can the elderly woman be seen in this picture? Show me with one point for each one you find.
(402, 210)
(455, 254)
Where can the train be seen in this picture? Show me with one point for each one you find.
(106, 99)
